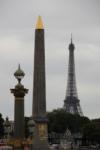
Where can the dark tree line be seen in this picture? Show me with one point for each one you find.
(92, 130)
(59, 121)
(1, 126)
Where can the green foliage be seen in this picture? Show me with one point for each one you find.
(59, 121)
(1, 126)
(96, 120)
(88, 130)
(91, 131)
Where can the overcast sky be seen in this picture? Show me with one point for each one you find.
(61, 18)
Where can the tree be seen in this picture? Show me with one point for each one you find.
(60, 120)
(1, 126)
(88, 131)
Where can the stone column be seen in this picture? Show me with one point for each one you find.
(19, 92)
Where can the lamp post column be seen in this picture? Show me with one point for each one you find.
(19, 92)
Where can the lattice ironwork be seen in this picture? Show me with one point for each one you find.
(71, 102)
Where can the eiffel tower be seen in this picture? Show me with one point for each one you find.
(71, 102)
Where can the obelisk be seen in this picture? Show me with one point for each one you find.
(39, 88)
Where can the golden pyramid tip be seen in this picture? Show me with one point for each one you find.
(39, 24)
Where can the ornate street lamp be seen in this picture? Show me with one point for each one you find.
(19, 74)
(7, 128)
(19, 93)
(31, 127)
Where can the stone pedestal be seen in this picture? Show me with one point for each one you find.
(40, 139)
